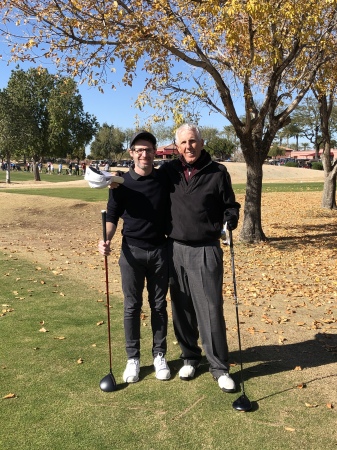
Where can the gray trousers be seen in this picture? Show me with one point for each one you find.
(196, 278)
(136, 266)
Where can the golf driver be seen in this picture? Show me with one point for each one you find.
(242, 403)
(108, 383)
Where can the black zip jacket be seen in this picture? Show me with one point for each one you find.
(199, 207)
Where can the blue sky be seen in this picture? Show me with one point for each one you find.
(114, 106)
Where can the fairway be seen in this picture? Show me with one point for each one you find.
(54, 349)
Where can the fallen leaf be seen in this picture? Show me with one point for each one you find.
(101, 322)
(289, 429)
(43, 330)
(298, 368)
(9, 396)
(60, 338)
(329, 405)
(80, 361)
(309, 405)
(301, 386)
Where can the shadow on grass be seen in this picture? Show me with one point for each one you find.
(273, 359)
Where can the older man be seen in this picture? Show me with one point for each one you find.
(202, 200)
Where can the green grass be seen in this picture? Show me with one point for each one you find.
(95, 195)
(293, 187)
(58, 404)
(28, 176)
(85, 194)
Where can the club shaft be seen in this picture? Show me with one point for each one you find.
(107, 288)
(236, 307)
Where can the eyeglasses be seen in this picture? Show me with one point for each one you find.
(140, 151)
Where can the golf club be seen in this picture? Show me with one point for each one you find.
(242, 403)
(108, 383)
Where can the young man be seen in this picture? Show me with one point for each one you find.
(201, 202)
(142, 202)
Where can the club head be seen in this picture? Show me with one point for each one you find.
(242, 404)
(108, 383)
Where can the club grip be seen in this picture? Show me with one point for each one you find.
(104, 224)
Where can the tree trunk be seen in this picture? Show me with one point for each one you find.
(36, 171)
(252, 225)
(330, 169)
(8, 170)
(329, 191)
(330, 173)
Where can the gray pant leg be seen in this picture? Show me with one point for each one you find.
(204, 272)
(183, 313)
(136, 266)
(157, 287)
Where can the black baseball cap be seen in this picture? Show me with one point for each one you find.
(146, 135)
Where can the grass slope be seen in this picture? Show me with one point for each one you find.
(58, 403)
(51, 278)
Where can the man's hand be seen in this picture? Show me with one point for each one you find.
(232, 219)
(114, 184)
(104, 248)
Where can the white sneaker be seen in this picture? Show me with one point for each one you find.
(187, 372)
(131, 372)
(161, 367)
(226, 384)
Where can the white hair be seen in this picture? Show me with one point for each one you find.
(187, 126)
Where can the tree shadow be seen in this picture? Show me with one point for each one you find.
(316, 236)
(272, 359)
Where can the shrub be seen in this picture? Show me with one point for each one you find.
(317, 166)
(291, 164)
